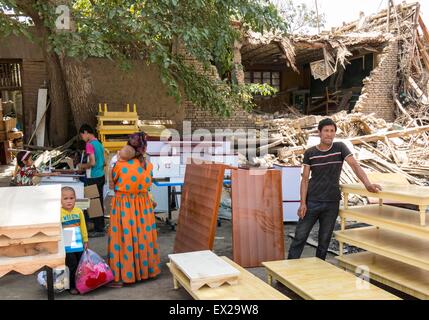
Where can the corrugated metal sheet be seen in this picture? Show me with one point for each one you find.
(257, 217)
(199, 207)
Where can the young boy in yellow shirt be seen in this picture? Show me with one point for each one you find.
(73, 217)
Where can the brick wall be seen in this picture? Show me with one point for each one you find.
(205, 119)
(376, 96)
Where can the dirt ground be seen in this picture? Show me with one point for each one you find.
(17, 286)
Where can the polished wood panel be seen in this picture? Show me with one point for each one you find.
(200, 201)
(404, 248)
(249, 287)
(315, 279)
(257, 217)
(403, 277)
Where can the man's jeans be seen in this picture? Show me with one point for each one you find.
(324, 211)
(99, 221)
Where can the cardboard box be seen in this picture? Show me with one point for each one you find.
(95, 210)
(91, 192)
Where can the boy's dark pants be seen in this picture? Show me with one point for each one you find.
(99, 221)
(324, 211)
(72, 261)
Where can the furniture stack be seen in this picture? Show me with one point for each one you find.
(30, 229)
(397, 242)
(7, 137)
(114, 127)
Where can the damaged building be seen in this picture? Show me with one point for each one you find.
(355, 67)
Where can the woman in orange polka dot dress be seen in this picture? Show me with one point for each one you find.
(132, 244)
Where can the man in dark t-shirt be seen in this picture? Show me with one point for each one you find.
(320, 195)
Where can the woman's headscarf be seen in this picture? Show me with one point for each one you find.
(138, 141)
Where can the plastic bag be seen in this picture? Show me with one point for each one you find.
(61, 279)
(92, 272)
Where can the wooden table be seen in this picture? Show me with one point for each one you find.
(31, 264)
(29, 215)
(249, 287)
(412, 194)
(315, 279)
(403, 277)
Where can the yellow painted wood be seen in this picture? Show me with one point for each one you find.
(114, 128)
(404, 248)
(401, 276)
(249, 287)
(315, 279)
(388, 217)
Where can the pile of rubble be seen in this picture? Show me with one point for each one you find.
(379, 146)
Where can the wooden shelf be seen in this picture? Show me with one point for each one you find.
(315, 279)
(404, 248)
(388, 217)
(412, 194)
(403, 277)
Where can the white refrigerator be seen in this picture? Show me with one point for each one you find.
(291, 181)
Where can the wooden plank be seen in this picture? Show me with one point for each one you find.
(389, 134)
(204, 268)
(315, 279)
(38, 238)
(424, 29)
(30, 210)
(400, 276)
(199, 207)
(403, 248)
(249, 287)
(257, 216)
(388, 217)
(30, 249)
(42, 99)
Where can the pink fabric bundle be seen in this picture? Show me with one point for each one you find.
(92, 272)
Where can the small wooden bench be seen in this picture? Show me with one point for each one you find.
(315, 279)
(249, 287)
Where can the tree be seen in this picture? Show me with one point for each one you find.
(123, 29)
(299, 16)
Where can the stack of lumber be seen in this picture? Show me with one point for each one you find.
(378, 146)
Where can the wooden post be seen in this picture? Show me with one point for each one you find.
(422, 215)
(346, 200)
(270, 279)
(388, 16)
(175, 283)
